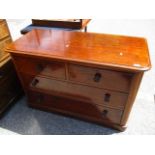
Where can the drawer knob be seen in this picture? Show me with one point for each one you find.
(104, 112)
(97, 77)
(107, 97)
(34, 82)
(39, 67)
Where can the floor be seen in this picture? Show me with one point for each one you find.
(21, 119)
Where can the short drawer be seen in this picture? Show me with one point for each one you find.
(4, 32)
(100, 78)
(40, 67)
(50, 102)
(77, 92)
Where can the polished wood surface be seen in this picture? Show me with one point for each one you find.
(84, 75)
(107, 79)
(76, 107)
(41, 67)
(105, 50)
(136, 80)
(75, 91)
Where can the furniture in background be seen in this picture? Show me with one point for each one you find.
(85, 75)
(59, 24)
(5, 39)
(10, 87)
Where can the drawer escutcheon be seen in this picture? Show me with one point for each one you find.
(97, 77)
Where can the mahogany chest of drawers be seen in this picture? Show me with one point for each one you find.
(85, 75)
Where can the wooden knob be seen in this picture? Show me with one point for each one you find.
(105, 112)
(107, 97)
(97, 77)
(34, 82)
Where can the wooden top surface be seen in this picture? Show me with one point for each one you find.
(107, 50)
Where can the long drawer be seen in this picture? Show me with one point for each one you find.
(4, 32)
(75, 91)
(50, 102)
(101, 78)
(40, 67)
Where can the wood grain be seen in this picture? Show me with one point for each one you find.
(40, 67)
(76, 107)
(4, 31)
(108, 79)
(114, 51)
(77, 92)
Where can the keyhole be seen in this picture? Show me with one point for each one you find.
(107, 97)
(97, 77)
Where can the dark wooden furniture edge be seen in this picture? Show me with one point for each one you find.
(60, 24)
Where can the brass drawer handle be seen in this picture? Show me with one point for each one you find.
(107, 97)
(104, 113)
(35, 82)
(97, 77)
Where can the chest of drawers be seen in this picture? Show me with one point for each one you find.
(10, 88)
(90, 76)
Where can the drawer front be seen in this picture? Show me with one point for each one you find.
(3, 45)
(76, 107)
(4, 31)
(9, 89)
(5, 70)
(100, 78)
(79, 92)
(40, 67)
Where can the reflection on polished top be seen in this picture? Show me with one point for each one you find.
(109, 50)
